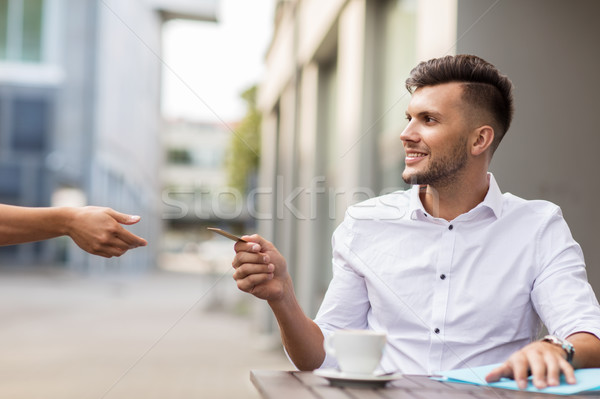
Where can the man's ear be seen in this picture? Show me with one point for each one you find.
(483, 137)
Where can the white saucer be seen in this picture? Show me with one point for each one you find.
(341, 379)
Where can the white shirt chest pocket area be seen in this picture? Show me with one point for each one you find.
(401, 271)
(385, 243)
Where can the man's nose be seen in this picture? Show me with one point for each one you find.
(409, 133)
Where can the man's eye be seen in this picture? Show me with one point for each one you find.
(408, 118)
(429, 119)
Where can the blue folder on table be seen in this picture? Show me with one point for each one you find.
(587, 380)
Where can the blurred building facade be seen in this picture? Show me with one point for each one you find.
(194, 177)
(333, 105)
(80, 111)
(196, 195)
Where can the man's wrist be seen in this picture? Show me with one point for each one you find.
(563, 343)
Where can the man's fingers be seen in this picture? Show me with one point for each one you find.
(247, 257)
(254, 243)
(242, 246)
(552, 369)
(568, 371)
(248, 269)
(250, 282)
(537, 364)
(499, 372)
(520, 369)
(544, 361)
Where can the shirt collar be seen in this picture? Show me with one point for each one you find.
(416, 208)
(492, 200)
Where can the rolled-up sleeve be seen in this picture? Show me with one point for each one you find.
(562, 295)
(346, 303)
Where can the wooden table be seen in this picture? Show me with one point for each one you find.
(306, 385)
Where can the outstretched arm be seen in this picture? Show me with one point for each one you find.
(262, 271)
(94, 229)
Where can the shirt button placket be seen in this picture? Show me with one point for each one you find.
(440, 297)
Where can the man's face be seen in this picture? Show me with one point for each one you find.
(436, 137)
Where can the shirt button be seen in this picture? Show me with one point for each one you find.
(443, 276)
(450, 227)
(437, 331)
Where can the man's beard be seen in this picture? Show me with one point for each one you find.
(441, 171)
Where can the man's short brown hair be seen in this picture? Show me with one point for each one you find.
(484, 87)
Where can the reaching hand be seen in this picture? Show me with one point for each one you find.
(260, 269)
(98, 231)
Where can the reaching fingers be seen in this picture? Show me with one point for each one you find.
(108, 249)
(122, 218)
(130, 239)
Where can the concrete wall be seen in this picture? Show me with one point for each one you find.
(549, 49)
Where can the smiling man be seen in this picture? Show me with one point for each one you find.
(456, 273)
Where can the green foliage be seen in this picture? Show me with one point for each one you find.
(244, 150)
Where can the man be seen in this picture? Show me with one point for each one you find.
(455, 272)
(94, 229)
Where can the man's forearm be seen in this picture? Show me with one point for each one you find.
(301, 337)
(587, 350)
(21, 224)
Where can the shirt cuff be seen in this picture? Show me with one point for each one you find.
(329, 362)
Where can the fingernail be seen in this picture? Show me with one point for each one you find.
(134, 218)
(266, 259)
(271, 267)
(256, 247)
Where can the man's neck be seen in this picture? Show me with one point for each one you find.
(450, 201)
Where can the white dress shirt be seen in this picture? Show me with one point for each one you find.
(456, 294)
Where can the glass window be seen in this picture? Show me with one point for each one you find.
(30, 122)
(179, 156)
(31, 31)
(3, 27)
(21, 30)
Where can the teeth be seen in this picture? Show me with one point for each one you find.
(414, 155)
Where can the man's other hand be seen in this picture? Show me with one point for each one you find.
(545, 361)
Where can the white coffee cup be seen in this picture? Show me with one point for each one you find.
(356, 351)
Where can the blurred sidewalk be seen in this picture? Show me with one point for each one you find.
(161, 335)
